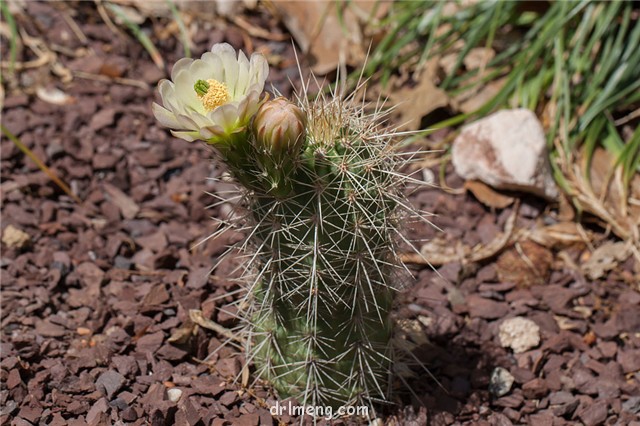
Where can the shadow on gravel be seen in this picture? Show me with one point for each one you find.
(450, 381)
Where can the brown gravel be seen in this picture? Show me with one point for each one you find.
(95, 323)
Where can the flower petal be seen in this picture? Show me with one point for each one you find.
(187, 136)
(225, 116)
(259, 70)
(182, 64)
(241, 85)
(212, 131)
(166, 89)
(214, 65)
(220, 49)
(165, 117)
(185, 94)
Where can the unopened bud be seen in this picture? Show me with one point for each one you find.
(280, 127)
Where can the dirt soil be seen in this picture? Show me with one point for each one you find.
(95, 304)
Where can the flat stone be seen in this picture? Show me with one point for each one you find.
(228, 398)
(594, 414)
(486, 308)
(150, 342)
(629, 360)
(535, 389)
(102, 119)
(632, 405)
(252, 419)
(541, 419)
(561, 397)
(110, 382)
(585, 381)
(565, 410)
(96, 414)
(48, 329)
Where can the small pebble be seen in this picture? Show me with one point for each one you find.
(632, 405)
(519, 334)
(14, 237)
(83, 331)
(174, 394)
(501, 382)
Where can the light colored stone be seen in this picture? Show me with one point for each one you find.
(500, 382)
(14, 237)
(519, 334)
(506, 150)
(174, 394)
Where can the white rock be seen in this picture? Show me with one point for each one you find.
(500, 382)
(14, 237)
(174, 394)
(519, 334)
(506, 150)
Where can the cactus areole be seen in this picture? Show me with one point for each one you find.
(323, 195)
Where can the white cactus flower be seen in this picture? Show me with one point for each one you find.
(212, 97)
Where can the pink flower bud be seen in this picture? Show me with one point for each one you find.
(280, 127)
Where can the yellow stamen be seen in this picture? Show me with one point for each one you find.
(216, 95)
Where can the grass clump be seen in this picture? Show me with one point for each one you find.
(576, 64)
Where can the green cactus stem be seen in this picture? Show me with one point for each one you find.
(325, 264)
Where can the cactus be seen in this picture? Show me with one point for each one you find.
(323, 197)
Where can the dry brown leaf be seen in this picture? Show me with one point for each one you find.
(560, 234)
(317, 28)
(448, 62)
(605, 258)
(603, 182)
(478, 57)
(413, 103)
(566, 210)
(526, 264)
(487, 195)
(472, 100)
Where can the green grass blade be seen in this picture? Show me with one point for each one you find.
(13, 41)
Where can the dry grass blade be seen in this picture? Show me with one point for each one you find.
(106, 79)
(40, 164)
(437, 253)
(255, 31)
(196, 316)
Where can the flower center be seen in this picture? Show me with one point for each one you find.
(212, 93)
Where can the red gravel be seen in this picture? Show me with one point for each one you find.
(95, 323)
